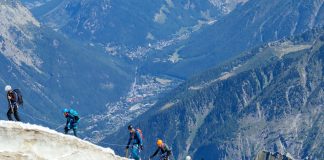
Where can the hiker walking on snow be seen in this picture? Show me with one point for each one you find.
(14, 100)
(72, 120)
(136, 137)
(165, 153)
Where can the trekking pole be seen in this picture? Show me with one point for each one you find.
(126, 150)
(59, 126)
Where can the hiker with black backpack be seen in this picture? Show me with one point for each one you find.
(14, 98)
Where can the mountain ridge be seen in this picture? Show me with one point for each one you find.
(251, 24)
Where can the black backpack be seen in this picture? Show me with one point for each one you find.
(20, 100)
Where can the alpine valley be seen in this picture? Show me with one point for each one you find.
(215, 79)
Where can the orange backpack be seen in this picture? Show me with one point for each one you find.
(140, 132)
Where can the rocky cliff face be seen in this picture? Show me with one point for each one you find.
(269, 98)
(16, 34)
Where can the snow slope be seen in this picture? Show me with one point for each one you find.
(31, 142)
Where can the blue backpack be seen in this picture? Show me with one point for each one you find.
(75, 114)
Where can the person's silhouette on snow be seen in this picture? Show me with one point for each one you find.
(72, 120)
(13, 105)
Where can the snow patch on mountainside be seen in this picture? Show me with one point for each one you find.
(168, 105)
(161, 16)
(226, 5)
(32, 142)
(21, 15)
(35, 4)
(175, 57)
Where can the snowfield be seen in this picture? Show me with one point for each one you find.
(21, 141)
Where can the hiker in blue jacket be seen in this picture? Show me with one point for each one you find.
(136, 137)
(72, 120)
